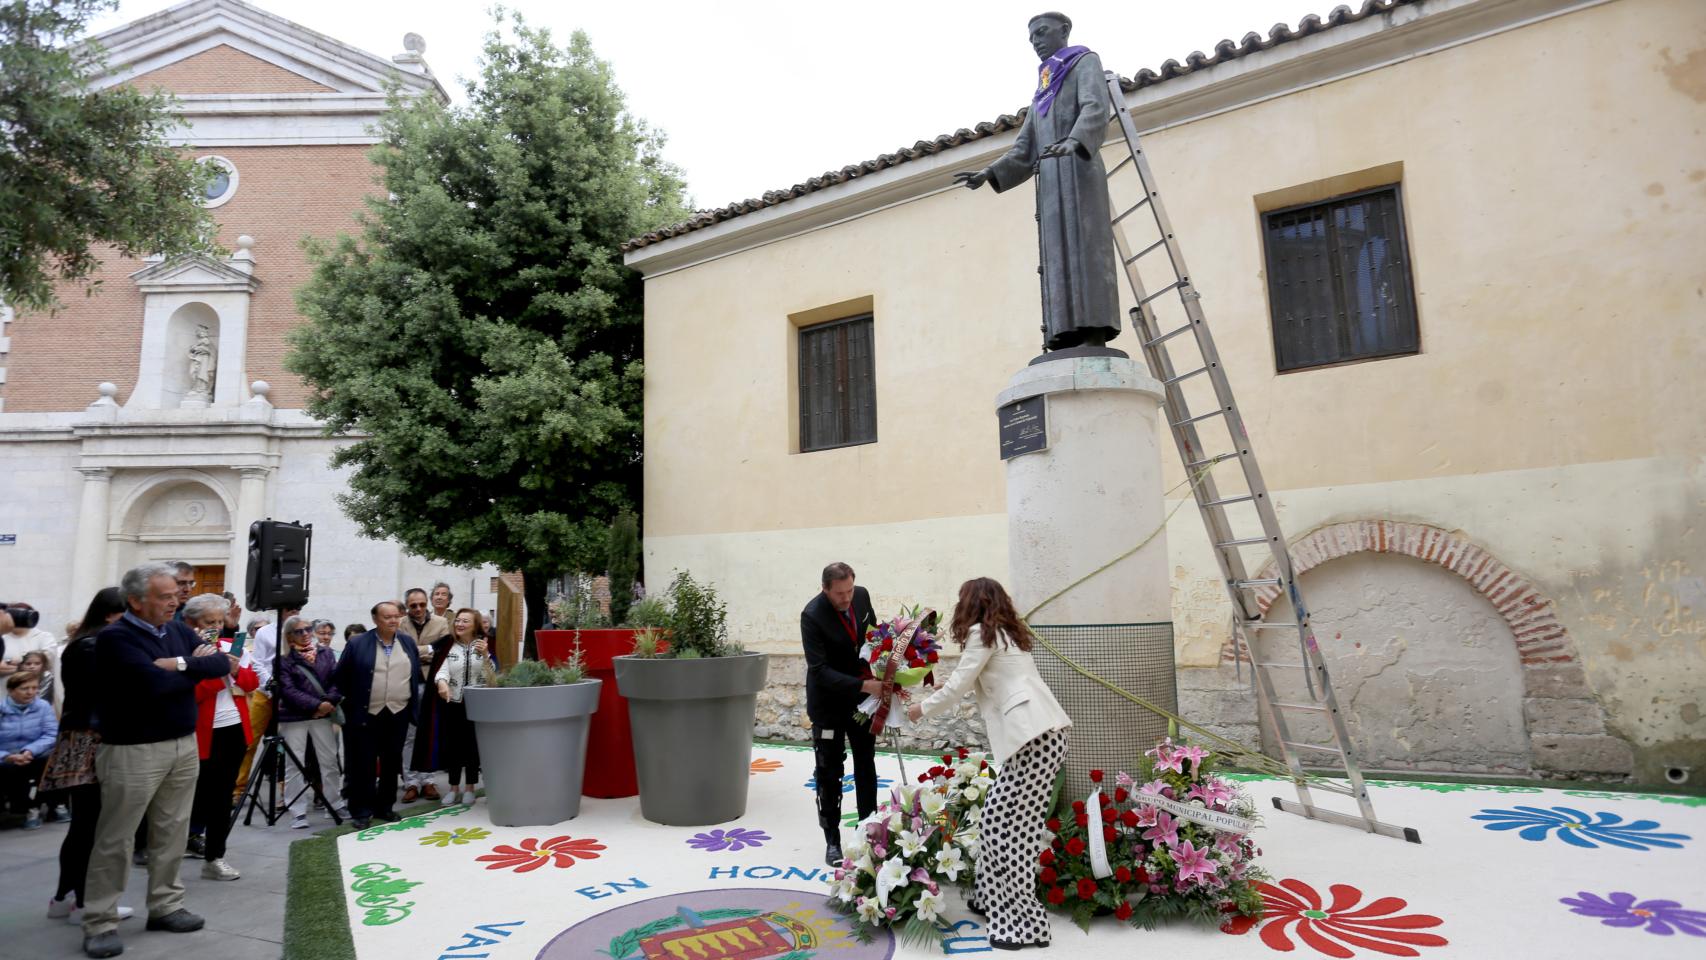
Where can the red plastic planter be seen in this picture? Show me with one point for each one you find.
(610, 741)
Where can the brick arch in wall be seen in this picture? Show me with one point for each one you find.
(1565, 721)
(1541, 641)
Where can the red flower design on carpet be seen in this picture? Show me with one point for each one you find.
(1332, 929)
(533, 854)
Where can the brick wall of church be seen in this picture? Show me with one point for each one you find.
(225, 69)
(283, 194)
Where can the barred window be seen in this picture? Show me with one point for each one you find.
(838, 393)
(1339, 283)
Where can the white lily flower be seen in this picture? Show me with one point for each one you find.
(869, 911)
(897, 820)
(910, 844)
(891, 877)
(929, 906)
(933, 803)
(949, 861)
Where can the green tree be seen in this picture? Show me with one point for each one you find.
(622, 565)
(481, 339)
(80, 166)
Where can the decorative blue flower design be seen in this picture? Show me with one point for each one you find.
(738, 838)
(883, 783)
(1663, 917)
(1581, 829)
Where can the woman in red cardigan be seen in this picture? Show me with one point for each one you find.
(222, 733)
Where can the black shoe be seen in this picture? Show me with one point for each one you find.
(389, 816)
(1014, 945)
(178, 921)
(361, 823)
(832, 855)
(103, 945)
(140, 858)
(196, 848)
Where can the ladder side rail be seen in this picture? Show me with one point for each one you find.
(1265, 703)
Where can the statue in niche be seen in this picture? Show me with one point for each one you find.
(1060, 145)
(202, 363)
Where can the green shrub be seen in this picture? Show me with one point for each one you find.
(535, 673)
(622, 565)
(650, 612)
(647, 642)
(698, 620)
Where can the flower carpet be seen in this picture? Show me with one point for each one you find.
(1502, 872)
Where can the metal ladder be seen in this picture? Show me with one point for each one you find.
(1200, 461)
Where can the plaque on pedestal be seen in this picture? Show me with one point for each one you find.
(1024, 427)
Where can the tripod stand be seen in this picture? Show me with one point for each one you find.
(272, 753)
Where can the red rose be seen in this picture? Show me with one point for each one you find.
(1120, 794)
(1048, 875)
(1095, 776)
(888, 645)
(947, 758)
(1142, 875)
(1129, 818)
(1123, 911)
(1123, 874)
(964, 753)
(983, 764)
(1053, 824)
(1086, 888)
(1082, 819)
(1056, 896)
(1046, 858)
(1075, 846)
(1108, 814)
(937, 771)
(931, 658)
(1077, 806)
(924, 778)
(1110, 834)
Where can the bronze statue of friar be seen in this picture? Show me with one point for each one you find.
(1060, 143)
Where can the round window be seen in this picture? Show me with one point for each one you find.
(223, 185)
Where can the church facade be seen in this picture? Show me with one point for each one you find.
(153, 419)
(1444, 246)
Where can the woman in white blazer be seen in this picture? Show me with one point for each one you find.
(1028, 735)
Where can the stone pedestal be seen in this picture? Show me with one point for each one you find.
(1092, 495)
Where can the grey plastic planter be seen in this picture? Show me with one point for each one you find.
(532, 749)
(692, 722)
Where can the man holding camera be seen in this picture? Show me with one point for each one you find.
(148, 759)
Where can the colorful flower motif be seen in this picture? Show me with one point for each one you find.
(533, 854)
(738, 838)
(765, 765)
(1333, 929)
(847, 783)
(458, 837)
(1663, 917)
(1580, 829)
(1193, 862)
(1165, 833)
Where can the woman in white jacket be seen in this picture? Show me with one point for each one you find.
(1028, 736)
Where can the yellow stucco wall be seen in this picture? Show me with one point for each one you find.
(1554, 188)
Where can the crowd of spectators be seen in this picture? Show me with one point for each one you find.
(143, 729)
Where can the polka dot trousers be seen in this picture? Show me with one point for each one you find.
(1012, 838)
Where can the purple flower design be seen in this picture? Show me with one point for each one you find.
(1663, 917)
(738, 838)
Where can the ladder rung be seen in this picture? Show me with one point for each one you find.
(1218, 458)
(1313, 746)
(1313, 707)
(1181, 282)
(1168, 335)
(1245, 542)
(1200, 417)
(1266, 664)
(1264, 625)
(1146, 251)
(1332, 787)
(1261, 582)
(1231, 500)
(1186, 376)
(1116, 167)
(1129, 211)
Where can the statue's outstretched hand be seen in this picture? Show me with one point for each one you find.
(972, 180)
(1060, 148)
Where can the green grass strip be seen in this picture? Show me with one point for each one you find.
(316, 916)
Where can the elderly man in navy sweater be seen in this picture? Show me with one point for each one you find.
(147, 762)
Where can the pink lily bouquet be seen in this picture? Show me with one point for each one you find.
(902, 653)
(1193, 839)
(920, 840)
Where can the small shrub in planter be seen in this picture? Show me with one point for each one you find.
(532, 730)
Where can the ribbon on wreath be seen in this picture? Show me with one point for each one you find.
(1099, 867)
(886, 699)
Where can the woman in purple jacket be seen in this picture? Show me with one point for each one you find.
(308, 710)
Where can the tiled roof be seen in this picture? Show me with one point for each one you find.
(1223, 51)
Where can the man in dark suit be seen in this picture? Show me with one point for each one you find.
(832, 629)
(379, 675)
